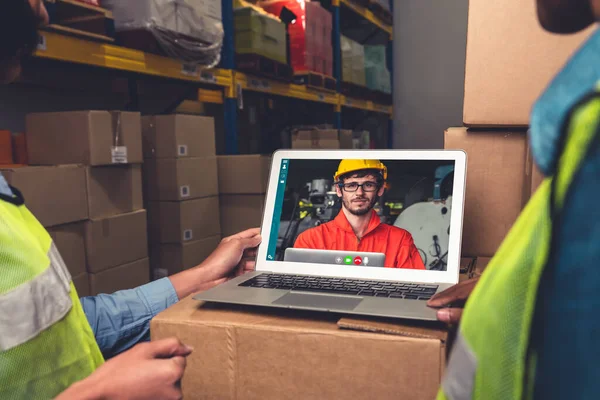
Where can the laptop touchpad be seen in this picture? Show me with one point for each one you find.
(316, 301)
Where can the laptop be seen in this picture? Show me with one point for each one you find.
(310, 257)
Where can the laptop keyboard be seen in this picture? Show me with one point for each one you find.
(356, 287)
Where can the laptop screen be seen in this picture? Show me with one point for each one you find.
(363, 213)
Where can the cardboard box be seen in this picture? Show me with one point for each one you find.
(114, 190)
(247, 353)
(180, 222)
(178, 136)
(243, 174)
(169, 259)
(84, 137)
(240, 212)
(55, 195)
(128, 276)
(322, 139)
(172, 179)
(82, 285)
(116, 240)
(70, 242)
(496, 170)
(510, 60)
(6, 148)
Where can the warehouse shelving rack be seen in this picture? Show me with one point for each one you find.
(222, 85)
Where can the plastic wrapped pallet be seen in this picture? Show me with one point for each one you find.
(377, 75)
(310, 36)
(187, 30)
(259, 33)
(346, 46)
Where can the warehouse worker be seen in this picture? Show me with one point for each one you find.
(530, 328)
(360, 184)
(54, 345)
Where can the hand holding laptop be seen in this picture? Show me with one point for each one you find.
(452, 300)
(239, 249)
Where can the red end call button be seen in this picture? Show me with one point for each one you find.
(357, 260)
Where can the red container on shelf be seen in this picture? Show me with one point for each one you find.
(310, 35)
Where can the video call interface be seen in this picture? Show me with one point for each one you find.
(400, 209)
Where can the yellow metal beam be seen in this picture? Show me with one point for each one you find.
(210, 96)
(368, 15)
(69, 49)
(255, 84)
(365, 105)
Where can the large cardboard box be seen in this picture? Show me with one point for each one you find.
(116, 240)
(184, 221)
(128, 276)
(240, 212)
(70, 242)
(55, 195)
(322, 139)
(114, 190)
(243, 173)
(84, 137)
(497, 162)
(82, 284)
(173, 179)
(244, 353)
(510, 60)
(169, 259)
(177, 136)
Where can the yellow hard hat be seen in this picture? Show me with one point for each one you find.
(357, 165)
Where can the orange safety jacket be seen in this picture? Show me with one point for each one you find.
(396, 243)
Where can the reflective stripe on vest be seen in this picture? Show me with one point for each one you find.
(491, 359)
(34, 306)
(46, 342)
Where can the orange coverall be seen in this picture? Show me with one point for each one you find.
(396, 243)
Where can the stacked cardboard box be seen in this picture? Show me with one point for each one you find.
(242, 186)
(322, 139)
(310, 36)
(353, 62)
(181, 191)
(84, 185)
(510, 60)
(377, 74)
(260, 33)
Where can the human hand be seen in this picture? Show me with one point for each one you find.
(451, 301)
(234, 256)
(151, 370)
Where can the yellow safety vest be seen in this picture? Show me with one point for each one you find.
(46, 342)
(491, 358)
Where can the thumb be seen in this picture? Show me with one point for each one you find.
(169, 347)
(248, 243)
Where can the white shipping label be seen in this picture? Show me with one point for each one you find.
(184, 191)
(182, 150)
(119, 155)
(187, 235)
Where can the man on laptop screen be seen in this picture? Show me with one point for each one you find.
(359, 184)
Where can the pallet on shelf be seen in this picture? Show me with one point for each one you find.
(356, 91)
(381, 12)
(259, 65)
(80, 19)
(316, 80)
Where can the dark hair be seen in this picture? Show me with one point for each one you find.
(18, 29)
(361, 174)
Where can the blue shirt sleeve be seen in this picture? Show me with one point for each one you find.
(566, 328)
(122, 319)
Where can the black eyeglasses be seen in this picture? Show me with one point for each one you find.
(353, 186)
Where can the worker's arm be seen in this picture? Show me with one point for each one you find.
(408, 255)
(122, 319)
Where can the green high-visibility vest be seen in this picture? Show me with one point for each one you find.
(46, 342)
(491, 358)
